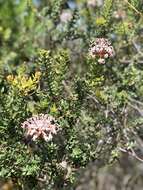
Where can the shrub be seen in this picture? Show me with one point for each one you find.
(49, 66)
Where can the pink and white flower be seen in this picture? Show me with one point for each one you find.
(41, 126)
(66, 16)
(102, 49)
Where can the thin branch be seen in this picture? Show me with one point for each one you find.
(132, 153)
(132, 7)
(136, 101)
(136, 108)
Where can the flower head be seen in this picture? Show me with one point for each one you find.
(91, 3)
(102, 49)
(65, 16)
(41, 126)
(94, 3)
(119, 14)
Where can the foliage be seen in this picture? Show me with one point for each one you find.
(46, 68)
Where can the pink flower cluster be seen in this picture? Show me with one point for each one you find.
(94, 3)
(102, 49)
(41, 126)
(66, 16)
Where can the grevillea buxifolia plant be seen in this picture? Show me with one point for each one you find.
(92, 106)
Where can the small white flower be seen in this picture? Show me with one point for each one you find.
(66, 16)
(106, 55)
(91, 3)
(101, 61)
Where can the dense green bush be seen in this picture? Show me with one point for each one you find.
(48, 66)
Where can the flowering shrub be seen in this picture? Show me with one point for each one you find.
(61, 107)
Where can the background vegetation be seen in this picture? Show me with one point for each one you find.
(45, 67)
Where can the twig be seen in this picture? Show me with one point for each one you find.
(136, 101)
(132, 7)
(132, 153)
(136, 108)
(68, 90)
(93, 98)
